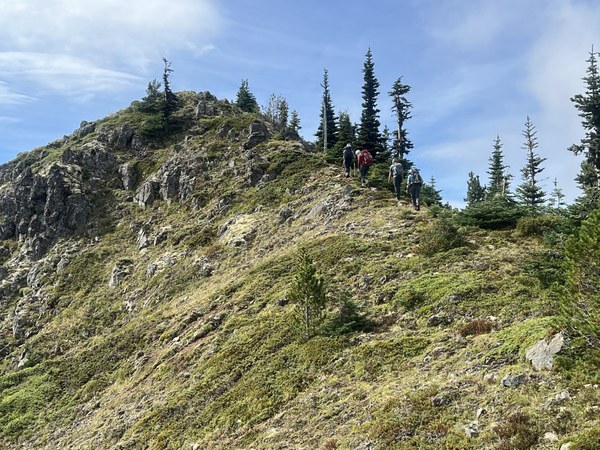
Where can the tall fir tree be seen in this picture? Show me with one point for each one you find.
(499, 179)
(529, 192)
(294, 125)
(588, 105)
(246, 100)
(401, 107)
(171, 101)
(328, 119)
(475, 191)
(369, 136)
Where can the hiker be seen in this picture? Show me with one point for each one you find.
(397, 173)
(414, 184)
(348, 159)
(364, 160)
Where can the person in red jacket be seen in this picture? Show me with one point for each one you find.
(364, 159)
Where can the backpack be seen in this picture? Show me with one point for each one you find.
(416, 178)
(348, 153)
(397, 170)
(366, 158)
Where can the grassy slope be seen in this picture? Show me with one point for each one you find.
(212, 360)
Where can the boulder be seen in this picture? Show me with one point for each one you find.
(541, 354)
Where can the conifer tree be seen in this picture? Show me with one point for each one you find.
(152, 102)
(401, 106)
(580, 307)
(245, 99)
(308, 295)
(588, 105)
(170, 99)
(346, 133)
(294, 125)
(475, 191)
(557, 197)
(368, 133)
(430, 195)
(530, 193)
(328, 119)
(499, 179)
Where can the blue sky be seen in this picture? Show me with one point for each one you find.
(477, 68)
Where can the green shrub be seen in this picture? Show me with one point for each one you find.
(492, 215)
(442, 236)
(537, 225)
(347, 318)
(546, 266)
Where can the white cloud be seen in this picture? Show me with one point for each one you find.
(130, 32)
(88, 46)
(10, 97)
(62, 73)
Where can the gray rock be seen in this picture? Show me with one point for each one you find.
(84, 129)
(258, 133)
(128, 176)
(472, 429)
(143, 237)
(514, 380)
(147, 193)
(118, 274)
(541, 354)
(438, 320)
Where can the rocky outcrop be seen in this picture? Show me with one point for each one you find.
(257, 134)
(38, 208)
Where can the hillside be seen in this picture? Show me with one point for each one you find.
(144, 299)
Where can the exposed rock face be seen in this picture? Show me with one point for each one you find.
(257, 134)
(38, 208)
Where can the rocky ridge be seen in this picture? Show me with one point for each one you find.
(143, 304)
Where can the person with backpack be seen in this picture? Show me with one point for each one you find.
(364, 160)
(414, 183)
(348, 159)
(397, 174)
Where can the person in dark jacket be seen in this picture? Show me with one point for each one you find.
(396, 174)
(348, 159)
(414, 183)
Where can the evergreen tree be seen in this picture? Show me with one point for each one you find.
(294, 125)
(499, 179)
(152, 102)
(368, 133)
(588, 105)
(328, 118)
(530, 193)
(475, 191)
(580, 307)
(308, 295)
(245, 99)
(401, 106)
(430, 195)
(346, 133)
(386, 137)
(557, 197)
(170, 99)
